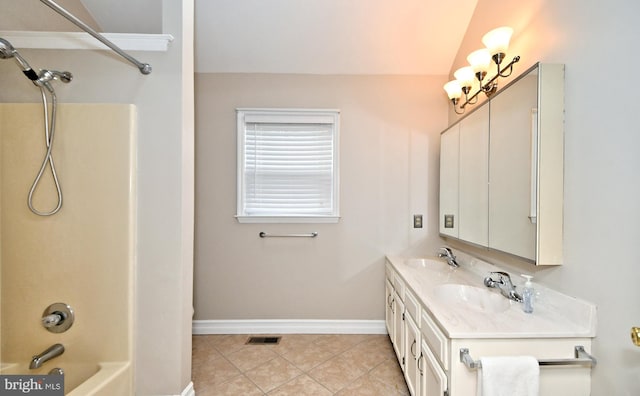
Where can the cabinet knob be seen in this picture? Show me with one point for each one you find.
(635, 335)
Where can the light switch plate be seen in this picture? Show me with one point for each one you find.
(417, 221)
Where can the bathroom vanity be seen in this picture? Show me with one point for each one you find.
(441, 320)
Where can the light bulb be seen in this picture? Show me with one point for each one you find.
(480, 61)
(465, 75)
(497, 40)
(454, 90)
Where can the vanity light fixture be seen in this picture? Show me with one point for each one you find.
(496, 43)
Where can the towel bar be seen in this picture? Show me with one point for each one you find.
(582, 358)
(267, 235)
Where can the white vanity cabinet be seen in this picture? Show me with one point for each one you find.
(389, 311)
(434, 358)
(394, 312)
(428, 335)
(420, 346)
(402, 320)
(412, 342)
(554, 380)
(442, 372)
(433, 379)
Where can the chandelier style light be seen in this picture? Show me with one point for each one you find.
(496, 43)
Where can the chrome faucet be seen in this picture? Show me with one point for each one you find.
(502, 281)
(50, 353)
(447, 254)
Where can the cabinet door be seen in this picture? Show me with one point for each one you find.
(526, 159)
(433, 379)
(412, 354)
(474, 177)
(449, 150)
(388, 311)
(512, 170)
(398, 327)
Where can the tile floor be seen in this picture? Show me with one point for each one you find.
(300, 364)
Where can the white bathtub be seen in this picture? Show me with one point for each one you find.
(102, 379)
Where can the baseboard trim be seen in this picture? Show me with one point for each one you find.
(284, 326)
(189, 391)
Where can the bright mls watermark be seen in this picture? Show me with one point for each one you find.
(38, 385)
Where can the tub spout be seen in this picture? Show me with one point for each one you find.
(51, 352)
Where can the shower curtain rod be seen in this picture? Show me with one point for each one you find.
(144, 68)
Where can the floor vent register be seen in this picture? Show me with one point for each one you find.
(263, 340)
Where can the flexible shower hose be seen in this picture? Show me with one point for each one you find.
(49, 131)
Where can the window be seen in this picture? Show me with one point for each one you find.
(287, 165)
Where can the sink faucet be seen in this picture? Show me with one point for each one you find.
(50, 353)
(502, 281)
(447, 254)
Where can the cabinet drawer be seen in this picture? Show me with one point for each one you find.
(395, 279)
(435, 338)
(411, 305)
(398, 284)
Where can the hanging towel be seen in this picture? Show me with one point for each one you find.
(509, 376)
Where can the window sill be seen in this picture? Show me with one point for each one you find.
(288, 220)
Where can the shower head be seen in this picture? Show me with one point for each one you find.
(7, 51)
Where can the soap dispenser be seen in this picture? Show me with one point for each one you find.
(527, 295)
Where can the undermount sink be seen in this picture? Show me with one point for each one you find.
(472, 297)
(428, 263)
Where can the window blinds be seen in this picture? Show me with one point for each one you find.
(289, 169)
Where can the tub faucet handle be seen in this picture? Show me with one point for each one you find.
(57, 317)
(52, 320)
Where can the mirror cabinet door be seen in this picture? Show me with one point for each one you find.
(512, 168)
(474, 162)
(449, 150)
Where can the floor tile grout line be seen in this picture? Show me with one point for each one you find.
(294, 378)
(222, 346)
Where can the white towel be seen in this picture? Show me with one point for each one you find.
(509, 376)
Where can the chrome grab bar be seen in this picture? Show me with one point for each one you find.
(267, 235)
(582, 358)
(144, 68)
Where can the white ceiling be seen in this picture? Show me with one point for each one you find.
(309, 36)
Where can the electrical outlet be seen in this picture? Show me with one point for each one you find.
(417, 221)
(448, 221)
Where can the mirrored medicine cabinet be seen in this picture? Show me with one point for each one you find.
(501, 170)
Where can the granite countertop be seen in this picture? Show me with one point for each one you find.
(489, 314)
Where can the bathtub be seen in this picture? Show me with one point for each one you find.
(102, 379)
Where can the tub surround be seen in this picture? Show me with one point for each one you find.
(84, 255)
(84, 379)
(555, 314)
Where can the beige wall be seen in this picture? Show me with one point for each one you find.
(84, 255)
(596, 41)
(389, 142)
